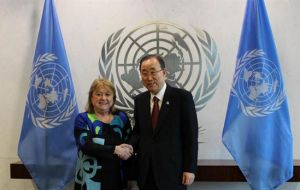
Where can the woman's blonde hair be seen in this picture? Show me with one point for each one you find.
(100, 83)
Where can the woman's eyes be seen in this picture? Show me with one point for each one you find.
(99, 94)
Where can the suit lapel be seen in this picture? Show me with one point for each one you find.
(164, 109)
(147, 114)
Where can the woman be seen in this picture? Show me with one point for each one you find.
(100, 134)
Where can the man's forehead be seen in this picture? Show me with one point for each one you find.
(150, 67)
(150, 64)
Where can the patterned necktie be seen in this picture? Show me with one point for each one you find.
(155, 112)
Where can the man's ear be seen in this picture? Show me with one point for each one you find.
(165, 72)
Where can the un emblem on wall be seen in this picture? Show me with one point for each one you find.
(49, 98)
(191, 58)
(257, 84)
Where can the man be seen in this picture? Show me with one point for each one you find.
(167, 147)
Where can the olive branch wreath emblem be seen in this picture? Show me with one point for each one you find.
(202, 95)
(43, 122)
(105, 65)
(253, 111)
(212, 73)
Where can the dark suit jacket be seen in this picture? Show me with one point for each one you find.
(171, 148)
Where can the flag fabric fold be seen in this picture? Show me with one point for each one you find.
(47, 144)
(257, 125)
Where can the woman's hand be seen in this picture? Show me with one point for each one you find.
(124, 151)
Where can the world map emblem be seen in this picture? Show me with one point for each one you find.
(257, 84)
(50, 96)
(191, 57)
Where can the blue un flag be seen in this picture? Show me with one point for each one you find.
(257, 125)
(47, 145)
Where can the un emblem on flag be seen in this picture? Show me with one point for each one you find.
(191, 57)
(258, 84)
(50, 98)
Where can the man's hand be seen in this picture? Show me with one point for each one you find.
(131, 185)
(188, 178)
(124, 151)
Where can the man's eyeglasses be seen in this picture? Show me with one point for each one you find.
(151, 73)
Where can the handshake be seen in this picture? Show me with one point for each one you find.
(123, 151)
